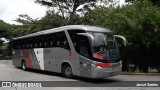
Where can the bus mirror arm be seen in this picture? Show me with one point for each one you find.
(123, 38)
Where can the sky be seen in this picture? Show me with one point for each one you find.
(10, 9)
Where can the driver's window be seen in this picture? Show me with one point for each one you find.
(81, 43)
(83, 46)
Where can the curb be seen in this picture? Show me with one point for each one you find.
(139, 73)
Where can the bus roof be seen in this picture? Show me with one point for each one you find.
(68, 27)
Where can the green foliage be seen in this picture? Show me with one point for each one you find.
(5, 32)
(138, 22)
(66, 13)
(51, 20)
(5, 51)
(29, 25)
(130, 21)
(154, 2)
(68, 8)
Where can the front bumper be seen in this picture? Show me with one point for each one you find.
(100, 72)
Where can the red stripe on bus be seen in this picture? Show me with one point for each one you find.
(28, 59)
(69, 53)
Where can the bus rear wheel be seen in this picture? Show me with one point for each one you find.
(67, 71)
(24, 67)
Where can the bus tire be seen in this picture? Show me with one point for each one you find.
(67, 71)
(24, 67)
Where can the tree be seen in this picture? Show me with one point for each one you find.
(5, 32)
(27, 25)
(51, 20)
(139, 23)
(154, 2)
(67, 8)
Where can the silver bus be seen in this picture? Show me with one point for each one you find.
(73, 50)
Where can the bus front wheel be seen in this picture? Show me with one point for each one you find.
(67, 71)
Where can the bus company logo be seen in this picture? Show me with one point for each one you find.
(6, 84)
(21, 84)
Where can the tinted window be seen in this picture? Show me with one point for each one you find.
(74, 37)
(15, 44)
(81, 43)
(43, 41)
(61, 40)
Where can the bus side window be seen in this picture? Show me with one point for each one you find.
(27, 44)
(61, 40)
(31, 46)
(15, 44)
(31, 43)
(58, 44)
(43, 42)
(51, 40)
(48, 41)
(66, 45)
(51, 44)
(20, 44)
(39, 42)
(24, 45)
(36, 42)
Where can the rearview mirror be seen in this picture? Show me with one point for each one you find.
(123, 38)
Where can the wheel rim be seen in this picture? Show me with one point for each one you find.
(68, 71)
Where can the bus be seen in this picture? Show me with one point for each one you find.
(73, 50)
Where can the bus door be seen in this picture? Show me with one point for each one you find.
(84, 51)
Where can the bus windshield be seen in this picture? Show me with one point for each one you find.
(104, 47)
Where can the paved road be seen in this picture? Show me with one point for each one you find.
(8, 72)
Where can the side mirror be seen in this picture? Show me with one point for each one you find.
(123, 38)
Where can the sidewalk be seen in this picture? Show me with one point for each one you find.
(141, 73)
